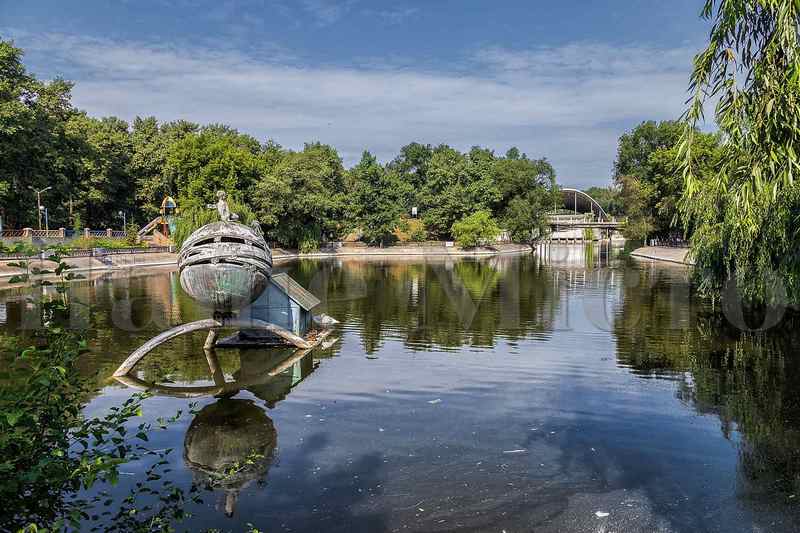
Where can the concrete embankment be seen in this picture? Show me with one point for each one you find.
(95, 264)
(115, 262)
(664, 253)
(405, 251)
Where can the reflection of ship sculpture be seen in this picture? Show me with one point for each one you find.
(232, 443)
(228, 266)
(229, 445)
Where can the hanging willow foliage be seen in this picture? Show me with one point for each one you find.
(745, 216)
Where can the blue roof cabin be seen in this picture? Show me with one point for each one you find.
(287, 304)
(284, 303)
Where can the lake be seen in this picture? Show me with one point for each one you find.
(573, 390)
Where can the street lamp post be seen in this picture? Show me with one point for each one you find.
(39, 202)
(46, 219)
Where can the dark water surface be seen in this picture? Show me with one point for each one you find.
(502, 394)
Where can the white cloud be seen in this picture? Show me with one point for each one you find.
(327, 12)
(568, 103)
(393, 16)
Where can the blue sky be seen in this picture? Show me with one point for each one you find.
(557, 79)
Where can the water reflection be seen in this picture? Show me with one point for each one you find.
(230, 445)
(437, 303)
(748, 380)
(614, 387)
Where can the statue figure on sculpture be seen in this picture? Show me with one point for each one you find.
(222, 208)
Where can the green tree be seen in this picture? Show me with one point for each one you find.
(377, 199)
(412, 164)
(302, 197)
(456, 185)
(217, 158)
(525, 215)
(745, 214)
(524, 194)
(635, 147)
(151, 145)
(103, 185)
(649, 178)
(476, 229)
(518, 176)
(36, 151)
(609, 198)
(636, 197)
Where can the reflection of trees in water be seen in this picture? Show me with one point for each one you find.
(750, 381)
(436, 302)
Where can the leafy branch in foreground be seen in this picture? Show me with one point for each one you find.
(746, 213)
(51, 455)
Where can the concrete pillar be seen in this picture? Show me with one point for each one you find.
(109, 232)
(27, 234)
(62, 233)
(86, 233)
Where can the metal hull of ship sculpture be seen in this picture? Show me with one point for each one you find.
(227, 266)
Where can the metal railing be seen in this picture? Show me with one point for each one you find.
(90, 252)
(668, 242)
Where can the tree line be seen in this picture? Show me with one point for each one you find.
(98, 167)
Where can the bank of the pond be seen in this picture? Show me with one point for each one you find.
(405, 251)
(123, 261)
(664, 253)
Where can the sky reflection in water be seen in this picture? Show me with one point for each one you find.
(508, 393)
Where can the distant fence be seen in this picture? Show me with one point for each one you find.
(92, 252)
(30, 234)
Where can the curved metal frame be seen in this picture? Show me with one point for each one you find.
(220, 386)
(207, 324)
(584, 195)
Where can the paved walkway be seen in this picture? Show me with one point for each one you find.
(664, 253)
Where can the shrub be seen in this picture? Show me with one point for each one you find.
(132, 234)
(77, 224)
(417, 231)
(83, 243)
(475, 229)
(308, 244)
(411, 229)
(52, 455)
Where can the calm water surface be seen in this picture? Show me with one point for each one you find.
(565, 392)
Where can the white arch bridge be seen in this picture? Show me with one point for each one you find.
(577, 212)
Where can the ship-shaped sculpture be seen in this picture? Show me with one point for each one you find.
(225, 265)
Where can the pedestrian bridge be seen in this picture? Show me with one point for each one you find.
(578, 212)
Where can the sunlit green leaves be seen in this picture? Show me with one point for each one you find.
(744, 213)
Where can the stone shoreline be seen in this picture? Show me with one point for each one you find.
(664, 253)
(118, 262)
